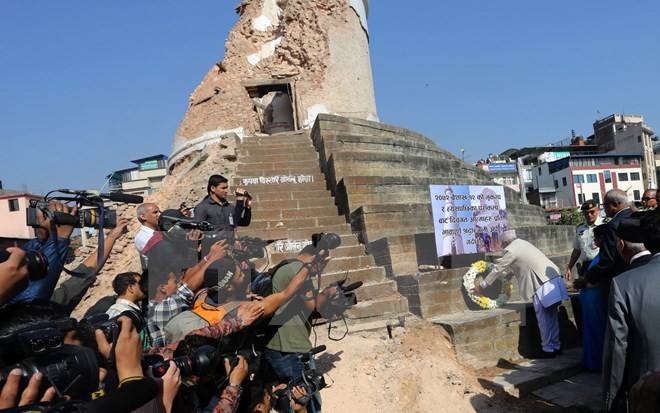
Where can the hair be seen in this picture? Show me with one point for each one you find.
(158, 276)
(255, 394)
(215, 180)
(599, 230)
(141, 210)
(652, 192)
(509, 236)
(122, 281)
(651, 224)
(633, 247)
(617, 195)
(309, 250)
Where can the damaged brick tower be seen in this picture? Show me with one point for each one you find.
(286, 61)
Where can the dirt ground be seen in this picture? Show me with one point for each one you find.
(415, 371)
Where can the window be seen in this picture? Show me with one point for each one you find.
(578, 179)
(639, 138)
(634, 176)
(596, 197)
(623, 176)
(636, 195)
(563, 181)
(592, 178)
(556, 184)
(540, 173)
(13, 205)
(608, 177)
(581, 198)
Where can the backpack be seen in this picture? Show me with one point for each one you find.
(262, 283)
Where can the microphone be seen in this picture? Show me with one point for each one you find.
(353, 286)
(305, 357)
(125, 198)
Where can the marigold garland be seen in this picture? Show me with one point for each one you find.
(475, 270)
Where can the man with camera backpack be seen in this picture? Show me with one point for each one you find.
(293, 320)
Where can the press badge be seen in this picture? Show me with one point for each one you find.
(231, 220)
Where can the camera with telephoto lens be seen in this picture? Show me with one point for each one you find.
(39, 347)
(203, 361)
(36, 262)
(88, 216)
(328, 241)
(109, 326)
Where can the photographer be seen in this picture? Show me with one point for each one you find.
(216, 210)
(294, 319)
(14, 275)
(55, 251)
(70, 292)
(171, 288)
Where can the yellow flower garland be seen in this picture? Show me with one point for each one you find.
(475, 270)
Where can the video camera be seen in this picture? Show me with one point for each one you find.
(342, 301)
(199, 364)
(37, 263)
(40, 347)
(310, 379)
(91, 209)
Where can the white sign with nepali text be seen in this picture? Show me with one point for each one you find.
(468, 218)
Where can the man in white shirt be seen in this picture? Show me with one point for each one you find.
(129, 294)
(148, 215)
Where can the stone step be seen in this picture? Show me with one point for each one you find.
(299, 213)
(323, 201)
(522, 377)
(366, 275)
(277, 138)
(282, 233)
(293, 145)
(293, 223)
(343, 264)
(375, 290)
(320, 195)
(310, 166)
(581, 392)
(342, 251)
(276, 150)
(393, 305)
(285, 157)
(297, 188)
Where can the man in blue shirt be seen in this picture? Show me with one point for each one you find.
(55, 253)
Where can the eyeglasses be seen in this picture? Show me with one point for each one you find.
(647, 198)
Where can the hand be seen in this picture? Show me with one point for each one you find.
(240, 371)
(118, 230)
(14, 274)
(568, 274)
(128, 349)
(318, 263)
(218, 251)
(300, 399)
(579, 283)
(171, 384)
(63, 231)
(250, 312)
(194, 235)
(331, 291)
(477, 288)
(30, 395)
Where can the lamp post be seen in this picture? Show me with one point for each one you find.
(463, 154)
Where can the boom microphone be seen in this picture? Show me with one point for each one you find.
(125, 198)
(305, 357)
(352, 286)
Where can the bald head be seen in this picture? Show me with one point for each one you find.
(615, 200)
(649, 200)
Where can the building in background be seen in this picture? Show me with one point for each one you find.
(13, 231)
(142, 179)
(628, 134)
(571, 180)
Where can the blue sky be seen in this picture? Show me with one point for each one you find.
(89, 86)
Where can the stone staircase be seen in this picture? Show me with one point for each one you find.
(292, 202)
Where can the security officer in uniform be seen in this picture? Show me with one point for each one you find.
(584, 249)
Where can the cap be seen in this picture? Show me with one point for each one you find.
(630, 230)
(219, 273)
(589, 204)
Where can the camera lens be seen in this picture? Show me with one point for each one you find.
(36, 262)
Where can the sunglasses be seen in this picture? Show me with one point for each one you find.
(647, 198)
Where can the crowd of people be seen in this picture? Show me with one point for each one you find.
(185, 334)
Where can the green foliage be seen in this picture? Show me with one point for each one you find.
(570, 216)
